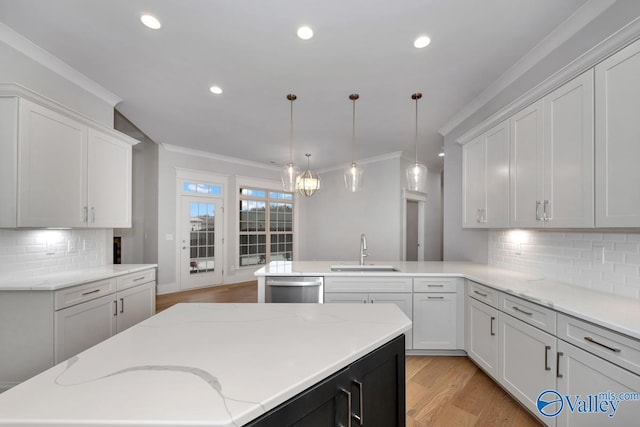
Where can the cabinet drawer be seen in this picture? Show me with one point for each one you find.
(135, 279)
(367, 284)
(533, 314)
(435, 284)
(618, 349)
(77, 294)
(483, 293)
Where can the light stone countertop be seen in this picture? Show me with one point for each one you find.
(203, 364)
(21, 281)
(619, 314)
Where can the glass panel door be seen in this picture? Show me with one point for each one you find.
(201, 242)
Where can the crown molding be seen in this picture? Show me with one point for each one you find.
(208, 155)
(22, 44)
(618, 40)
(585, 14)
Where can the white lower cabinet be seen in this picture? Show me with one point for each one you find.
(581, 375)
(435, 321)
(526, 362)
(402, 300)
(482, 337)
(86, 324)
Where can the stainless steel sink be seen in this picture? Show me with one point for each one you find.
(366, 267)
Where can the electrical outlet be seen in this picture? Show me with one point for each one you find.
(72, 246)
(598, 254)
(51, 248)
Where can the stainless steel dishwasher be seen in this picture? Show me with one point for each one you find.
(294, 289)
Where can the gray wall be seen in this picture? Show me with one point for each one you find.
(472, 245)
(15, 67)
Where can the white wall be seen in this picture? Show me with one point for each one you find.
(168, 162)
(433, 217)
(473, 245)
(18, 68)
(572, 257)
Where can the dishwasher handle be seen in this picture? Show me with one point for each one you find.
(296, 283)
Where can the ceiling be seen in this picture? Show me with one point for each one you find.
(250, 49)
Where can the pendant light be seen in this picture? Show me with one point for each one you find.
(290, 172)
(353, 174)
(417, 173)
(308, 182)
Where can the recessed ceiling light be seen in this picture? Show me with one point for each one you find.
(151, 21)
(305, 32)
(422, 41)
(216, 89)
(441, 154)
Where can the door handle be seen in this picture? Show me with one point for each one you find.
(538, 210)
(121, 305)
(546, 357)
(360, 417)
(558, 374)
(93, 214)
(115, 308)
(545, 215)
(491, 326)
(348, 406)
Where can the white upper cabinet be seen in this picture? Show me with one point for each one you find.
(618, 139)
(109, 181)
(486, 179)
(552, 159)
(52, 188)
(526, 166)
(60, 169)
(568, 194)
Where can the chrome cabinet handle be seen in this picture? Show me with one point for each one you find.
(538, 210)
(522, 311)
(545, 215)
(348, 406)
(435, 286)
(491, 326)
(483, 215)
(478, 215)
(546, 357)
(93, 214)
(591, 340)
(360, 417)
(121, 305)
(90, 292)
(435, 297)
(480, 293)
(558, 374)
(85, 214)
(138, 279)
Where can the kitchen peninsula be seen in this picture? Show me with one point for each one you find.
(226, 365)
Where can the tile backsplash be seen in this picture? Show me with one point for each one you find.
(36, 252)
(604, 262)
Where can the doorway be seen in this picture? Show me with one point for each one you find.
(413, 212)
(201, 231)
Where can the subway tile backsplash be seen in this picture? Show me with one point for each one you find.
(604, 262)
(36, 252)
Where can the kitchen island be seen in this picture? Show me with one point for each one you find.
(219, 365)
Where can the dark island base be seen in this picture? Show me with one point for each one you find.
(370, 391)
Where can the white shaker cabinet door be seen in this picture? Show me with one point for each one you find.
(482, 337)
(109, 180)
(581, 374)
(135, 305)
(83, 325)
(526, 167)
(496, 210)
(52, 188)
(435, 321)
(568, 151)
(618, 139)
(474, 183)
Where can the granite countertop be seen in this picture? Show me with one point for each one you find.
(21, 281)
(616, 313)
(203, 364)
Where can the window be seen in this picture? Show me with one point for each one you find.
(197, 188)
(266, 226)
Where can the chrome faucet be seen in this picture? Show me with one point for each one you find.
(363, 248)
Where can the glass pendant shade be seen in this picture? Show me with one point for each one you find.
(417, 177)
(289, 173)
(353, 178)
(308, 182)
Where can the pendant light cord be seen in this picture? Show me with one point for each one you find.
(416, 97)
(353, 97)
(291, 97)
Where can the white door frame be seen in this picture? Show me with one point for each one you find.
(421, 198)
(182, 175)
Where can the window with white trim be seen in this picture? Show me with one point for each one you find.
(266, 226)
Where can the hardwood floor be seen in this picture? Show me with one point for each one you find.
(441, 390)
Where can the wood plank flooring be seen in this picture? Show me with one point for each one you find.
(442, 391)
